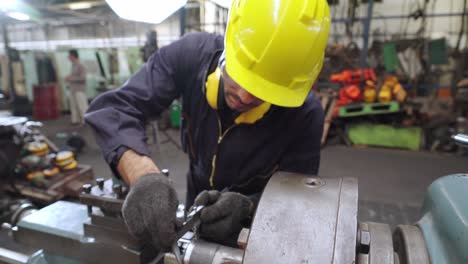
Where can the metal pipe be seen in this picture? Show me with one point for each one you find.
(347, 20)
(367, 24)
(6, 46)
(182, 21)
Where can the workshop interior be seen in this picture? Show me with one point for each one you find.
(392, 186)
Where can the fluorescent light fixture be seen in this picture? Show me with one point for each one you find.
(7, 4)
(149, 11)
(18, 16)
(80, 5)
(223, 3)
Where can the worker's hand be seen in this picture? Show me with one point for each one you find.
(150, 211)
(223, 216)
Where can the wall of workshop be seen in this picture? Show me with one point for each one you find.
(386, 29)
(112, 33)
(120, 36)
(212, 18)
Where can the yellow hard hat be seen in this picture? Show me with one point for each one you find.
(275, 48)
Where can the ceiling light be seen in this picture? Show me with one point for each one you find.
(7, 4)
(154, 11)
(80, 5)
(18, 16)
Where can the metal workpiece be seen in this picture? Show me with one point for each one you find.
(187, 229)
(301, 219)
(202, 252)
(59, 230)
(380, 245)
(410, 246)
(107, 204)
(192, 222)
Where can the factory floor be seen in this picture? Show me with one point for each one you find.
(392, 182)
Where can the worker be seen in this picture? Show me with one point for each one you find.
(76, 81)
(247, 112)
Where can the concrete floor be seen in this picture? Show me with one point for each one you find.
(392, 183)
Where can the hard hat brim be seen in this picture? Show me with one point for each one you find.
(267, 91)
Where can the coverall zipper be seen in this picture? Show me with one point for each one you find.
(221, 135)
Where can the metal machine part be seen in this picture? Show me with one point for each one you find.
(200, 252)
(410, 246)
(59, 229)
(189, 225)
(300, 219)
(91, 232)
(444, 221)
(305, 220)
(380, 245)
(12, 210)
(23, 209)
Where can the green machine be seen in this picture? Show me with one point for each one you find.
(444, 221)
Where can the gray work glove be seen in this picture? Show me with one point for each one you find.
(223, 216)
(150, 210)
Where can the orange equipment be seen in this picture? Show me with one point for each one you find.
(352, 81)
(354, 77)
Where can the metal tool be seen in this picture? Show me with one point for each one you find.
(193, 221)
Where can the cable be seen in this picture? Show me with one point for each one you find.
(450, 18)
(431, 28)
(334, 25)
(462, 28)
(403, 11)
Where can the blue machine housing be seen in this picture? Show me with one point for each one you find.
(444, 221)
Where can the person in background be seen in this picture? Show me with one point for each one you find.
(76, 81)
